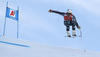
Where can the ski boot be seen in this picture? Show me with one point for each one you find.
(68, 34)
(74, 33)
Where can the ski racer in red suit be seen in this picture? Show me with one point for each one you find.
(69, 20)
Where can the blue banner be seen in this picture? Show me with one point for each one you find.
(11, 13)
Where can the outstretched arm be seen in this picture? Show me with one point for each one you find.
(61, 13)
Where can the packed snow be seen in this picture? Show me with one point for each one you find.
(11, 47)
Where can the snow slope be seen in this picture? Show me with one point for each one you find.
(10, 47)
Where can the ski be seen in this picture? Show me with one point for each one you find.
(70, 37)
(74, 36)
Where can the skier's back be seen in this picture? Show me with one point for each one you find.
(69, 20)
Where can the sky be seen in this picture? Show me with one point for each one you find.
(38, 25)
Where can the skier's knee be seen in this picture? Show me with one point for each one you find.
(73, 27)
(67, 29)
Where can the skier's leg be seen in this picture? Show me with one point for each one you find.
(73, 28)
(67, 24)
(67, 28)
(68, 32)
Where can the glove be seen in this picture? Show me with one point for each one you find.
(79, 27)
(50, 10)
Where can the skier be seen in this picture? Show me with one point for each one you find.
(69, 20)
